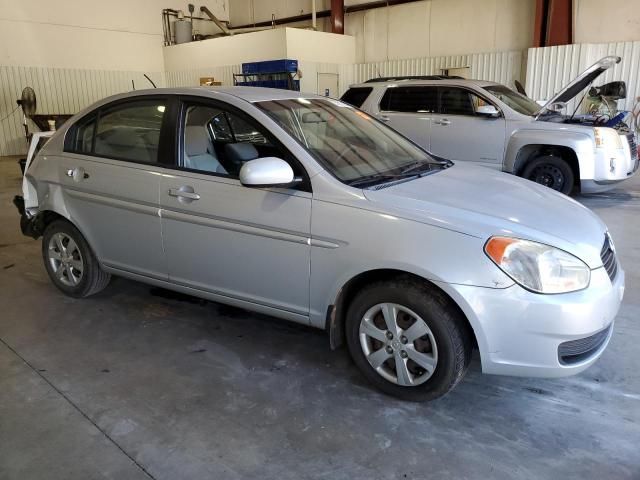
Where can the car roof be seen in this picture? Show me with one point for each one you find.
(250, 94)
(418, 82)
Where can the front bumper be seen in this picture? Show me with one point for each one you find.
(519, 333)
(610, 167)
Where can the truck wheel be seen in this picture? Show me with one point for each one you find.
(69, 261)
(552, 172)
(408, 339)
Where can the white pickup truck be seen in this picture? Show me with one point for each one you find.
(492, 125)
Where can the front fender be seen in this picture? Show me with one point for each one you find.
(581, 143)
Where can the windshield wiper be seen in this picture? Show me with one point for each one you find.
(382, 177)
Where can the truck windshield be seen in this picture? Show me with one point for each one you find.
(347, 142)
(515, 100)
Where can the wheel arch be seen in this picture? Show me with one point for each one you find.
(530, 152)
(336, 312)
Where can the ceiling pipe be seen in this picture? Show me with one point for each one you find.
(327, 13)
(215, 20)
(314, 21)
(337, 16)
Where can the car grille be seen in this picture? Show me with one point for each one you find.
(608, 256)
(576, 351)
(633, 146)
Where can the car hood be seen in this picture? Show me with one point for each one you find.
(480, 202)
(582, 81)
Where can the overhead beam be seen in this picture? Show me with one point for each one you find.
(553, 23)
(337, 16)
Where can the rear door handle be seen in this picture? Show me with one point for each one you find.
(185, 193)
(444, 122)
(383, 118)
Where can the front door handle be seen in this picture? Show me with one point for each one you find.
(77, 174)
(184, 194)
(383, 118)
(444, 122)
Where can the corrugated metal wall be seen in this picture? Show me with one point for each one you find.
(58, 91)
(502, 67)
(549, 68)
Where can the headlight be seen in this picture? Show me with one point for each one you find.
(538, 267)
(607, 138)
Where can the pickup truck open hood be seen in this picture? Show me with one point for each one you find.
(479, 202)
(581, 82)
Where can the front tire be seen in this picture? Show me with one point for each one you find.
(551, 171)
(69, 261)
(408, 339)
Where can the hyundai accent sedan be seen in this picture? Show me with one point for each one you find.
(307, 209)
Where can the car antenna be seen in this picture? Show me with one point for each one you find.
(150, 81)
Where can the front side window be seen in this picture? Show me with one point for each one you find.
(410, 100)
(514, 100)
(130, 131)
(350, 144)
(456, 101)
(219, 141)
(459, 101)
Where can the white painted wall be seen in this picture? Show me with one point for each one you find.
(112, 35)
(611, 21)
(422, 29)
(247, 47)
(74, 52)
(269, 44)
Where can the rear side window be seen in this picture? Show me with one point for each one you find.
(410, 100)
(82, 136)
(128, 131)
(356, 96)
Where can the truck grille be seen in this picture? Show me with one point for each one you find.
(608, 256)
(576, 351)
(633, 146)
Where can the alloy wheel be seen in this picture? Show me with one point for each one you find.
(65, 259)
(398, 344)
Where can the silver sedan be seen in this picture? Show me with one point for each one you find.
(307, 209)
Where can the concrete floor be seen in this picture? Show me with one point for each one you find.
(131, 384)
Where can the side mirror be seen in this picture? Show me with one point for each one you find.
(488, 111)
(266, 172)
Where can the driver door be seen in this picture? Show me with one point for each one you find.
(240, 243)
(458, 132)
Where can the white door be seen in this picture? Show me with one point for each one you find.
(328, 85)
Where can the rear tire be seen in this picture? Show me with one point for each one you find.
(69, 261)
(551, 171)
(431, 340)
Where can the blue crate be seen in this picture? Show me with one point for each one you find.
(271, 66)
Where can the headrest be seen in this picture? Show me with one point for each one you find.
(240, 152)
(196, 140)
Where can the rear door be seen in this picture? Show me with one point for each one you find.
(459, 133)
(408, 110)
(110, 174)
(246, 244)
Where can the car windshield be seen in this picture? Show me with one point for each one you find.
(352, 145)
(515, 100)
